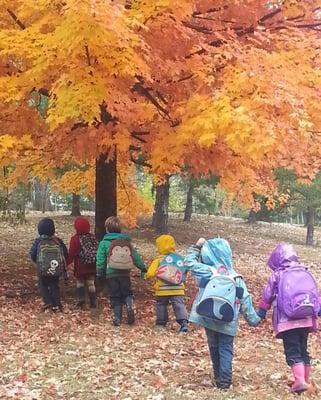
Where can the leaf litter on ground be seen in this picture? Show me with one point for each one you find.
(79, 355)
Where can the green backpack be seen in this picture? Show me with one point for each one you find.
(50, 258)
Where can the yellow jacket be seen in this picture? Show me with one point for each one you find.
(165, 244)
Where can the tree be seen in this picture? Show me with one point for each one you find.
(210, 104)
(303, 195)
(160, 216)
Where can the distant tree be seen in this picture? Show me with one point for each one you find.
(303, 195)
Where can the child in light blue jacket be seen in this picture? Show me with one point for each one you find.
(204, 260)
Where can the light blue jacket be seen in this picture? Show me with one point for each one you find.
(216, 253)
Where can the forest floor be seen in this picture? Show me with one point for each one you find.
(79, 355)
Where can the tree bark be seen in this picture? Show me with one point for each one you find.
(310, 226)
(160, 216)
(75, 206)
(189, 202)
(106, 192)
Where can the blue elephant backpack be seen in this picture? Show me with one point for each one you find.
(220, 297)
(171, 269)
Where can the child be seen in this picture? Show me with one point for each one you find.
(294, 331)
(82, 252)
(49, 253)
(211, 262)
(166, 292)
(115, 258)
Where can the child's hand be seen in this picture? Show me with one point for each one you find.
(261, 313)
(200, 242)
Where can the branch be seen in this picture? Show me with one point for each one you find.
(87, 55)
(269, 15)
(16, 19)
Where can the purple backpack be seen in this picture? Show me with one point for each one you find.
(298, 294)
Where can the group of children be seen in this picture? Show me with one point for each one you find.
(222, 294)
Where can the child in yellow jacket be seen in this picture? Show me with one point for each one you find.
(166, 292)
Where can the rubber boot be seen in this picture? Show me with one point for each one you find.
(183, 326)
(129, 301)
(118, 312)
(307, 372)
(299, 384)
(93, 300)
(81, 291)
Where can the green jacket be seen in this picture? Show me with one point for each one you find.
(101, 268)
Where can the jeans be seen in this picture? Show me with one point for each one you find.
(221, 351)
(118, 288)
(178, 305)
(49, 289)
(295, 342)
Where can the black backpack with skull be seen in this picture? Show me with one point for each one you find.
(50, 258)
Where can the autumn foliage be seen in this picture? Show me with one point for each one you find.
(229, 88)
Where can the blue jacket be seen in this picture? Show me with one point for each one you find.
(215, 253)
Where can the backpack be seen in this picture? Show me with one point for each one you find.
(120, 255)
(88, 248)
(50, 258)
(171, 269)
(219, 297)
(298, 295)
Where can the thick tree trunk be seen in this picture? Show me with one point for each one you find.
(160, 216)
(75, 206)
(189, 203)
(106, 192)
(310, 226)
(41, 196)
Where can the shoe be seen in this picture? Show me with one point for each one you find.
(307, 372)
(46, 307)
(57, 309)
(92, 300)
(81, 292)
(118, 311)
(184, 327)
(223, 386)
(299, 384)
(129, 301)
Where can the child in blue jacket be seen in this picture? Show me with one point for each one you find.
(203, 260)
(49, 286)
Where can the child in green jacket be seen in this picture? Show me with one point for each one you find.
(117, 280)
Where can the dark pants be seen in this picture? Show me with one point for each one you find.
(118, 288)
(49, 289)
(221, 351)
(295, 342)
(178, 305)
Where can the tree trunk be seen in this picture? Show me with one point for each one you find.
(251, 219)
(75, 206)
(160, 216)
(189, 203)
(106, 192)
(310, 226)
(41, 196)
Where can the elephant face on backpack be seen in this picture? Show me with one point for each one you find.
(219, 298)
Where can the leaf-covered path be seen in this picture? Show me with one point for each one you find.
(80, 355)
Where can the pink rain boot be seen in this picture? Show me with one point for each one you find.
(299, 384)
(307, 372)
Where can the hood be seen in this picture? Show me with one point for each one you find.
(116, 236)
(46, 227)
(217, 252)
(165, 244)
(82, 225)
(283, 256)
